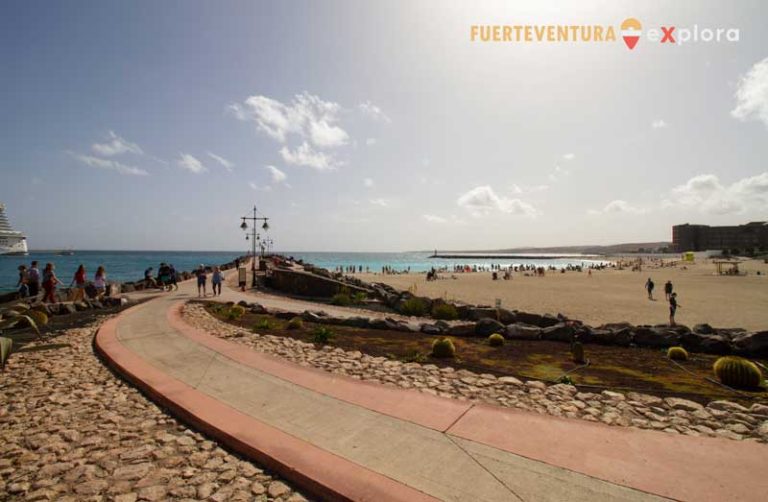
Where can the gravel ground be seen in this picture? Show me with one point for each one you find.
(71, 430)
(672, 415)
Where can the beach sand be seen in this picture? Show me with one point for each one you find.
(612, 295)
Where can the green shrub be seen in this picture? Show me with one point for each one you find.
(677, 354)
(413, 307)
(443, 348)
(262, 325)
(445, 311)
(296, 323)
(495, 340)
(737, 372)
(359, 298)
(341, 299)
(565, 379)
(235, 312)
(577, 353)
(322, 335)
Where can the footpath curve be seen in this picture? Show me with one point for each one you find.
(343, 439)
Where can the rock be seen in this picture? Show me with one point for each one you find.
(521, 331)
(528, 318)
(677, 403)
(431, 329)
(94, 487)
(127, 497)
(356, 322)
(257, 488)
(152, 493)
(714, 344)
(487, 326)
(277, 489)
(655, 337)
(205, 490)
(763, 430)
(560, 332)
(311, 316)
(727, 406)
(703, 329)
(752, 344)
(509, 380)
(133, 471)
(759, 409)
(461, 330)
(256, 308)
(477, 313)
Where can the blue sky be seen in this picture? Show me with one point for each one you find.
(373, 125)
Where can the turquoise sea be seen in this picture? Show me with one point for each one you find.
(130, 265)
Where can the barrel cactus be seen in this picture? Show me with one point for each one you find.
(296, 323)
(495, 340)
(737, 372)
(577, 353)
(443, 348)
(677, 354)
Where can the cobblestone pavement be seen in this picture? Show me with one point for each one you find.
(671, 415)
(71, 430)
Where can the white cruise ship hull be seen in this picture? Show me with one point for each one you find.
(13, 245)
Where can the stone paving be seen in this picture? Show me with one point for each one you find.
(71, 430)
(672, 415)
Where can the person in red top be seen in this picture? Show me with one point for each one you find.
(79, 282)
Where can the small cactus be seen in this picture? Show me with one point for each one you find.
(443, 348)
(296, 323)
(577, 353)
(677, 354)
(737, 372)
(235, 312)
(495, 340)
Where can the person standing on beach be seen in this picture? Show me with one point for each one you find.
(673, 308)
(649, 285)
(100, 282)
(202, 278)
(174, 277)
(216, 280)
(668, 290)
(33, 280)
(79, 282)
(22, 284)
(49, 283)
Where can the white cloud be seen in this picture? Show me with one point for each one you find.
(307, 116)
(278, 176)
(517, 189)
(305, 155)
(190, 163)
(374, 112)
(431, 218)
(617, 207)
(558, 174)
(111, 165)
(259, 188)
(381, 202)
(659, 124)
(115, 145)
(482, 200)
(368, 182)
(707, 193)
(222, 161)
(370, 141)
(569, 156)
(752, 94)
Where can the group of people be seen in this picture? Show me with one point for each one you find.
(31, 280)
(167, 278)
(217, 277)
(669, 295)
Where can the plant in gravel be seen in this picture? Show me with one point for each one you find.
(495, 340)
(341, 299)
(736, 371)
(262, 325)
(677, 354)
(235, 312)
(413, 307)
(413, 357)
(445, 311)
(322, 335)
(565, 379)
(443, 348)
(296, 323)
(359, 298)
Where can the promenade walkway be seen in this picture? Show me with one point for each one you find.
(344, 439)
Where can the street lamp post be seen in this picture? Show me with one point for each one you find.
(254, 237)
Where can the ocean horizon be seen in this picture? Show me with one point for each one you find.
(124, 266)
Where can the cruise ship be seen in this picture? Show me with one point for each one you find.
(11, 241)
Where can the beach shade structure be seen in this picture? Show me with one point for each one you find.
(727, 267)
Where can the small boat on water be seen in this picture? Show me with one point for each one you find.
(11, 242)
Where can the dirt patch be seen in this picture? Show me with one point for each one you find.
(615, 368)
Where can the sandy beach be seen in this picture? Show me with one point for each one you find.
(613, 295)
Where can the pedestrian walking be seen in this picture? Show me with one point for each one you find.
(49, 283)
(649, 285)
(33, 280)
(78, 280)
(673, 305)
(216, 279)
(202, 279)
(100, 282)
(668, 290)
